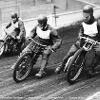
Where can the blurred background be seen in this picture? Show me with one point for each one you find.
(31, 8)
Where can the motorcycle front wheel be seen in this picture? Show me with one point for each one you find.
(2, 47)
(75, 67)
(22, 67)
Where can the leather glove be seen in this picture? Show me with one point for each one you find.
(50, 48)
(18, 37)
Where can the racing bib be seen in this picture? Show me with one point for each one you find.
(43, 34)
(90, 29)
(11, 29)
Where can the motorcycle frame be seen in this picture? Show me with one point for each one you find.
(36, 52)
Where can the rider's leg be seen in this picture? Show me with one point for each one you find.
(45, 57)
(72, 50)
(15, 45)
(96, 63)
(92, 60)
(20, 45)
(10, 42)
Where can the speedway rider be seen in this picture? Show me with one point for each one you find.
(44, 34)
(90, 27)
(17, 29)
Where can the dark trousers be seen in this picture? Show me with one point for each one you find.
(45, 54)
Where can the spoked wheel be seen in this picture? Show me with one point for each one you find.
(75, 67)
(22, 68)
(2, 47)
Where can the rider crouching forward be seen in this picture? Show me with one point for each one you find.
(90, 27)
(44, 34)
(17, 29)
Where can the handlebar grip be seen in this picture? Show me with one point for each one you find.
(52, 50)
(83, 38)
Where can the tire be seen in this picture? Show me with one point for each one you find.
(2, 47)
(25, 61)
(75, 67)
(67, 64)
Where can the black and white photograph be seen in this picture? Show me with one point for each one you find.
(49, 49)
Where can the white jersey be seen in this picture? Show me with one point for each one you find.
(43, 34)
(90, 29)
(11, 29)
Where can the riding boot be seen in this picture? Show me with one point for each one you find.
(61, 66)
(91, 69)
(13, 66)
(40, 74)
(72, 50)
(41, 71)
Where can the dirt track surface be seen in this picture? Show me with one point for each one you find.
(52, 86)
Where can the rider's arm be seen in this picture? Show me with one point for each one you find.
(98, 27)
(81, 31)
(22, 29)
(97, 47)
(56, 39)
(33, 33)
(8, 25)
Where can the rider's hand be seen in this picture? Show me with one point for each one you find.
(50, 48)
(29, 38)
(18, 37)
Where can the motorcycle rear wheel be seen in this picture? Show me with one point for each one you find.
(22, 68)
(2, 47)
(75, 67)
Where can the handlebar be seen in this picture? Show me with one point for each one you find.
(7, 34)
(40, 44)
(36, 42)
(87, 39)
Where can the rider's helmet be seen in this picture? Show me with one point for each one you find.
(14, 15)
(88, 14)
(88, 9)
(42, 20)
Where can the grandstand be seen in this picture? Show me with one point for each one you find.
(31, 8)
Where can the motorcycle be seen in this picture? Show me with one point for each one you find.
(79, 61)
(26, 61)
(8, 44)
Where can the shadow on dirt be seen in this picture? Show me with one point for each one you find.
(84, 77)
(49, 72)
